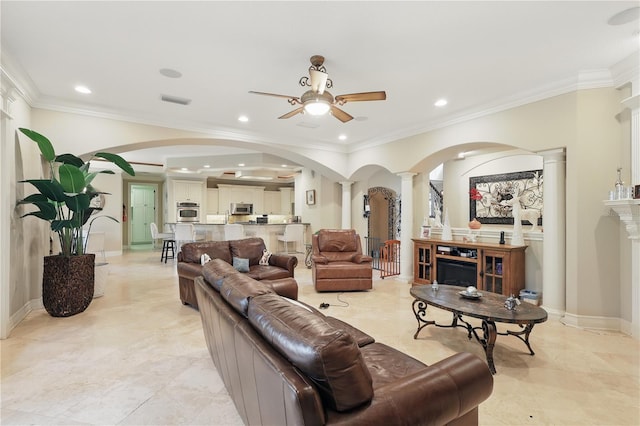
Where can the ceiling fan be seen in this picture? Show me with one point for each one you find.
(318, 101)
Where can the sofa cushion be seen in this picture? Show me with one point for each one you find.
(248, 248)
(216, 270)
(192, 252)
(267, 272)
(327, 355)
(237, 289)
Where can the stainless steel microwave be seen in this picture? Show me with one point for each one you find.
(241, 208)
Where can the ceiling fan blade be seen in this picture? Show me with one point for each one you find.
(364, 96)
(274, 94)
(292, 113)
(340, 114)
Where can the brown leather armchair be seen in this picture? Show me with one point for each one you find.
(338, 262)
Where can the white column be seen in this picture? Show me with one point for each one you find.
(554, 221)
(633, 103)
(629, 212)
(406, 226)
(7, 167)
(346, 204)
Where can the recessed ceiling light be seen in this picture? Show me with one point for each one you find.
(184, 169)
(168, 72)
(441, 102)
(83, 89)
(342, 137)
(283, 165)
(206, 166)
(243, 118)
(240, 164)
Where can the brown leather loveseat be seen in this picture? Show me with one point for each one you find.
(285, 363)
(190, 267)
(338, 263)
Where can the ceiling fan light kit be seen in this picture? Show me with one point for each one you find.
(318, 101)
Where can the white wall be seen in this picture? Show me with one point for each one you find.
(29, 241)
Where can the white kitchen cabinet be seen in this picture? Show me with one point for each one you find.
(177, 191)
(243, 194)
(272, 203)
(258, 199)
(184, 190)
(213, 201)
(286, 198)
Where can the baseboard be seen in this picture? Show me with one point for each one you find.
(591, 322)
(553, 313)
(627, 328)
(22, 313)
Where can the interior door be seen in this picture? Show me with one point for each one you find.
(142, 213)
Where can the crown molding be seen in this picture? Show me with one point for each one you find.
(19, 78)
(219, 133)
(588, 79)
(627, 71)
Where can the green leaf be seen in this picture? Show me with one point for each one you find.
(46, 148)
(70, 159)
(34, 198)
(78, 202)
(71, 179)
(46, 211)
(49, 188)
(118, 161)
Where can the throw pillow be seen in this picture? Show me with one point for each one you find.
(241, 265)
(264, 260)
(204, 258)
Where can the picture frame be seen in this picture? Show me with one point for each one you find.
(489, 196)
(636, 192)
(426, 232)
(311, 197)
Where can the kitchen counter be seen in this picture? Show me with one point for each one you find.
(267, 231)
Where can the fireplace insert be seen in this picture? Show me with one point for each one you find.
(454, 272)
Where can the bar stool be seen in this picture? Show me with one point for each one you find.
(168, 246)
(168, 242)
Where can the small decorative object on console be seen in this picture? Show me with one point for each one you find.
(511, 303)
(474, 224)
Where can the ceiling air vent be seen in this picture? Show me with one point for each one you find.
(175, 99)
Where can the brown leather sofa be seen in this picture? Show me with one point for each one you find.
(285, 363)
(338, 263)
(190, 267)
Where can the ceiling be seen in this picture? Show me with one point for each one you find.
(480, 56)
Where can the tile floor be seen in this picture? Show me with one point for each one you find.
(137, 356)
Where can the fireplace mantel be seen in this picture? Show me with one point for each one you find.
(629, 213)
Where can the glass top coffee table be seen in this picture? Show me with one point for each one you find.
(490, 308)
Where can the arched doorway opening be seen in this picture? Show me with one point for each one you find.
(383, 221)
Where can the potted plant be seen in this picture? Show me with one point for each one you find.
(64, 201)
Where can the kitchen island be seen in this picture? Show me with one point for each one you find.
(267, 231)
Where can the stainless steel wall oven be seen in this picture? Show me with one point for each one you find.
(188, 212)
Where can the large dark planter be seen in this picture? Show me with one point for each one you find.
(67, 284)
